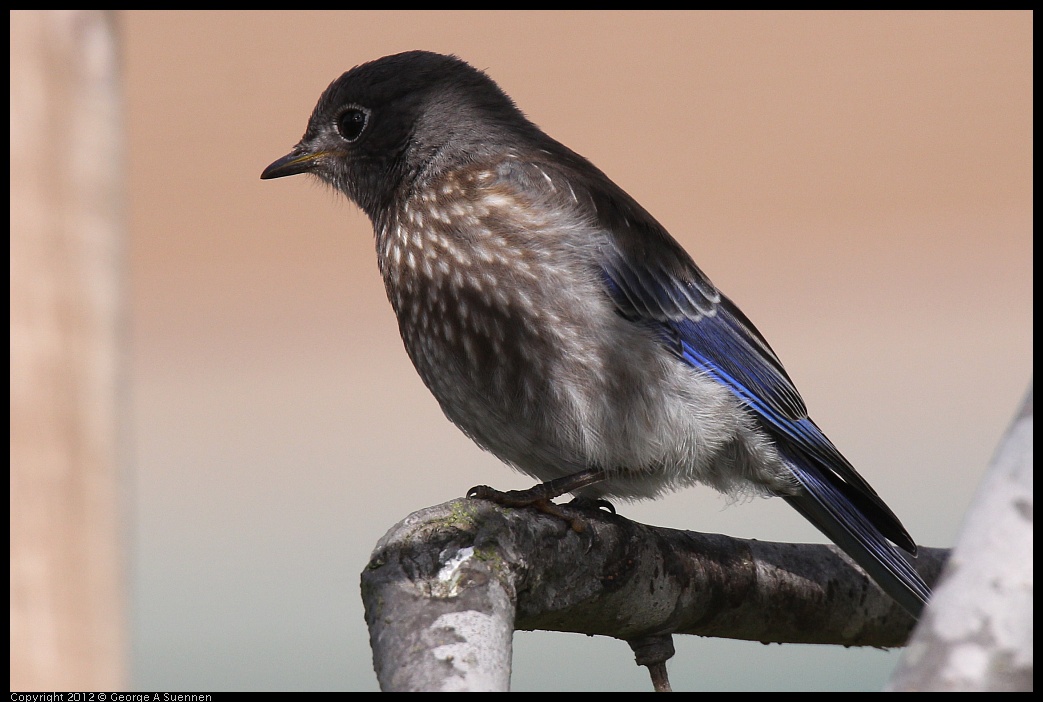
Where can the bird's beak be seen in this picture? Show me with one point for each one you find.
(300, 160)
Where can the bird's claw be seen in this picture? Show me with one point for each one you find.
(592, 504)
(525, 498)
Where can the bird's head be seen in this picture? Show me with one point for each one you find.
(390, 124)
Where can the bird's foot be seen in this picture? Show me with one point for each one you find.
(592, 504)
(525, 498)
(540, 496)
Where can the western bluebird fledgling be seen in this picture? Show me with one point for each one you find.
(558, 324)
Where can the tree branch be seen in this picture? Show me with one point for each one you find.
(977, 633)
(448, 585)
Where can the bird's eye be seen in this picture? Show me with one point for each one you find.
(351, 123)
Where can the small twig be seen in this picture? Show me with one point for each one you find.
(654, 651)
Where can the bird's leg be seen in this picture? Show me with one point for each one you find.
(540, 496)
(543, 492)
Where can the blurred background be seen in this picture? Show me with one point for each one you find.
(859, 183)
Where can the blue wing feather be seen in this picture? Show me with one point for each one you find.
(655, 283)
(711, 334)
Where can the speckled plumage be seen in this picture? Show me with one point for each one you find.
(557, 323)
(517, 365)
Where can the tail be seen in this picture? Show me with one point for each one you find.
(836, 515)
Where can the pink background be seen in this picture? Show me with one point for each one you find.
(860, 184)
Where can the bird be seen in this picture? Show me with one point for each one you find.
(559, 325)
